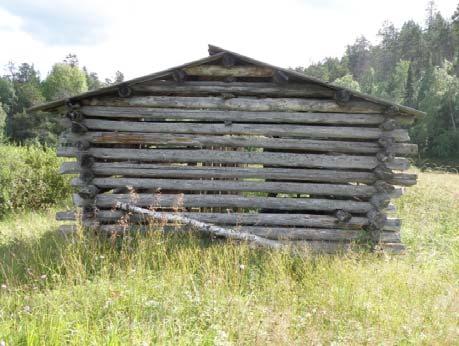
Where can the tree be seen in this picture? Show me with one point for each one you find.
(347, 82)
(92, 80)
(358, 56)
(64, 81)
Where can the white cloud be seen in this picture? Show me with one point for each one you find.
(140, 36)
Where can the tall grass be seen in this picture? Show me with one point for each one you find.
(187, 290)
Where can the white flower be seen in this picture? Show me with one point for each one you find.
(241, 267)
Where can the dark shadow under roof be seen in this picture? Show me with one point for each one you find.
(215, 54)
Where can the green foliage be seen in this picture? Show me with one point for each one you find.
(347, 81)
(64, 81)
(29, 178)
(2, 123)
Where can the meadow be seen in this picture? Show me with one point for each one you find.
(158, 289)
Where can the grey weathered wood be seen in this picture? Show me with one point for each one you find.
(168, 171)
(228, 201)
(281, 130)
(191, 140)
(202, 226)
(286, 233)
(238, 186)
(236, 88)
(266, 158)
(244, 219)
(233, 71)
(149, 114)
(242, 104)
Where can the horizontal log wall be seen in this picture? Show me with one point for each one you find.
(282, 160)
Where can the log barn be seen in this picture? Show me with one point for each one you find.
(235, 142)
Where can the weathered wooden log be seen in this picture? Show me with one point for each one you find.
(192, 140)
(247, 219)
(75, 115)
(228, 60)
(265, 158)
(280, 77)
(167, 171)
(229, 201)
(233, 186)
(376, 219)
(236, 88)
(242, 104)
(82, 144)
(124, 90)
(149, 113)
(233, 71)
(88, 191)
(383, 172)
(389, 125)
(179, 76)
(78, 127)
(343, 216)
(202, 226)
(380, 200)
(86, 175)
(86, 161)
(342, 96)
(286, 233)
(245, 129)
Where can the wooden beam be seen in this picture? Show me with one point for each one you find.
(264, 158)
(149, 114)
(233, 71)
(147, 170)
(202, 141)
(281, 130)
(242, 104)
(192, 88)
(228, 201)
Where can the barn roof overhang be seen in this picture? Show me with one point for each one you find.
(216, 53)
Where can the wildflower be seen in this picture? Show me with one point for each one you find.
(3, 287)
(241, 267)
(27, 309)
(2, 343)
(43, 277)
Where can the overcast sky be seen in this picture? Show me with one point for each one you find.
(139, 37)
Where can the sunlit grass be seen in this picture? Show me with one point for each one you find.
(187, 290)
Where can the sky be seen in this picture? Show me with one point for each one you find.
(139, 37)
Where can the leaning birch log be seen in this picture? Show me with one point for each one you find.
(228, 201)
(151, 114)
(264, 158)
(202, 226)
(363, 191)
(232, 141)
(281, 130)
(241, 104)
(147, 170)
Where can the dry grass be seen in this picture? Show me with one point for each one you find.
(169, 290)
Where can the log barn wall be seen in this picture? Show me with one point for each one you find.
(241, 144)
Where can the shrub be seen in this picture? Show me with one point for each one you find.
(30, 179)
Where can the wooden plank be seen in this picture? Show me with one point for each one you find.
(241, 104)
(245, 219)
(286, 233)
(200, 141)
(282, 130)
(151, 114)
(234, 186)
(233, 71)
(265, 158)
(227, 201)
(168, 171)
(235, 88)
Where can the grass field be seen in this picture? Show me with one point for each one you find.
(157, 290)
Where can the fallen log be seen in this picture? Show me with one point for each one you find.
(202, 226)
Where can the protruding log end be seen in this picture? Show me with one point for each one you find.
(82, 145)
(389, 125)
(376, 219)
(342, 96)
(78, 128)
(386, 141)
(228, 60)
(86, 175)
(213, 50)
(179, 76)
(88, 191)
(380, 200)
(280, 77)
(75, 115)
(382, 172)
(383, 187)
(343, 216)
(124, 90)
(86, 161)
(385, 156)
(392, 110)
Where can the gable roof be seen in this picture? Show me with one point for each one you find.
(215, 54)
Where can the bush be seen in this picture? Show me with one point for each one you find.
(30, 179)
